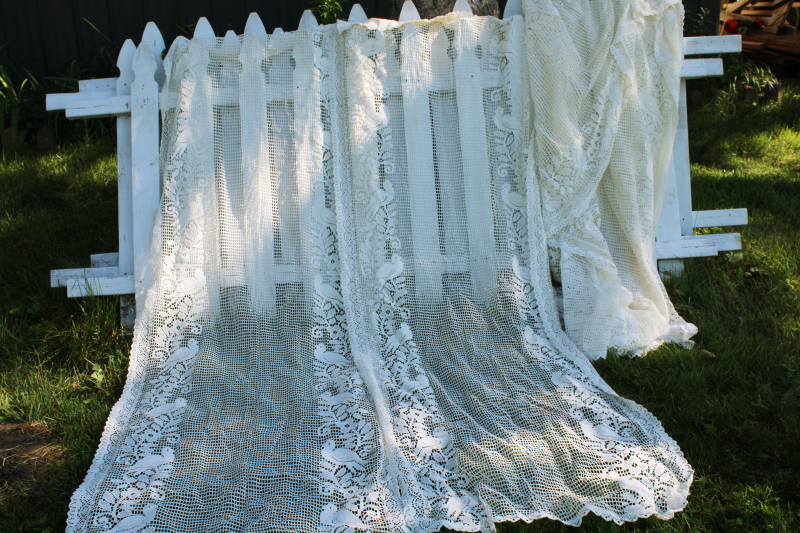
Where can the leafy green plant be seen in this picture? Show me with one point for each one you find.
(327, 11)
(696, 24)
(740, 73)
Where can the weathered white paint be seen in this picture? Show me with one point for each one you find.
(308, 21)
(409, 12)
(59, 278)
(77, 288)
(60, 101)
(357, 14)
(719, 217)
(104, 260)
(513, 7)
(685, 248)
(701, 68)
(144, 156)
(669, 221)
(124, 162)
(152, 37)
(718, 44)
(254, 25)
(107, 106)
(680, 154)
(101, 84)
(725, 242)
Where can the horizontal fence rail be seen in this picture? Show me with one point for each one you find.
(136, 97)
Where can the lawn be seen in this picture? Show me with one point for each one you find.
(732, 402)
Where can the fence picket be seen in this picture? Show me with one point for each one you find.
(307, 21)
(357, 14)
(144, 157)
(462, 6)
(409, 12)
(152, 37)
(203, 28)
(254, 25)
(124, 186)
(513, 7)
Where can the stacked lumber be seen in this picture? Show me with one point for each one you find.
(767, 34)
(766, 16)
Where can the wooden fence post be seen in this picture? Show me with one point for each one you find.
(125, 191)
(145, 163)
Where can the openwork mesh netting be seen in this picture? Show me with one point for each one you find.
(353, 325)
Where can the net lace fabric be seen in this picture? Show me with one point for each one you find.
(352, 325)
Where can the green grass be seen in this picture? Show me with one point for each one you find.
(732, 402)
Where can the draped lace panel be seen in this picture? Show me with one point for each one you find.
(353, 325)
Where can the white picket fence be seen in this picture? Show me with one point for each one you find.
(133, 98)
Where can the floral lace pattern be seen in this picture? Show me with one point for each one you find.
(327, 277)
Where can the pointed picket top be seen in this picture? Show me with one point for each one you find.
(308, 21)
(357, 14)
(277, 31)
(409, 12)
(144, 65)
(462, 6)
(513, 7)
(254, 25)
(203, 29)
(152, 36)
(231, 39)
(124, 64)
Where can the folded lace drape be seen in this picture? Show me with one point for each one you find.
(352, 325)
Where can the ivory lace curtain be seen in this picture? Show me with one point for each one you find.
(352, 324)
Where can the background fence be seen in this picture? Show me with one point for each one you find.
(44, 36)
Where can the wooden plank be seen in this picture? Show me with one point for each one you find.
(733, 8)
(152, 37)
(102, 260)
(59, 278)
(125, 162)
(61, 101)
(669, 221)
(722, 44)
(416, 82)
(100, 84)
(751, 45)
(77, 288)
(701, 68)
(719, 217)
(475, 157)
(724, 242)
(680, 153)
(144, 162)
(108, 106)
(686, 248)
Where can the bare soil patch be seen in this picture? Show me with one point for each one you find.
(27, 452)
